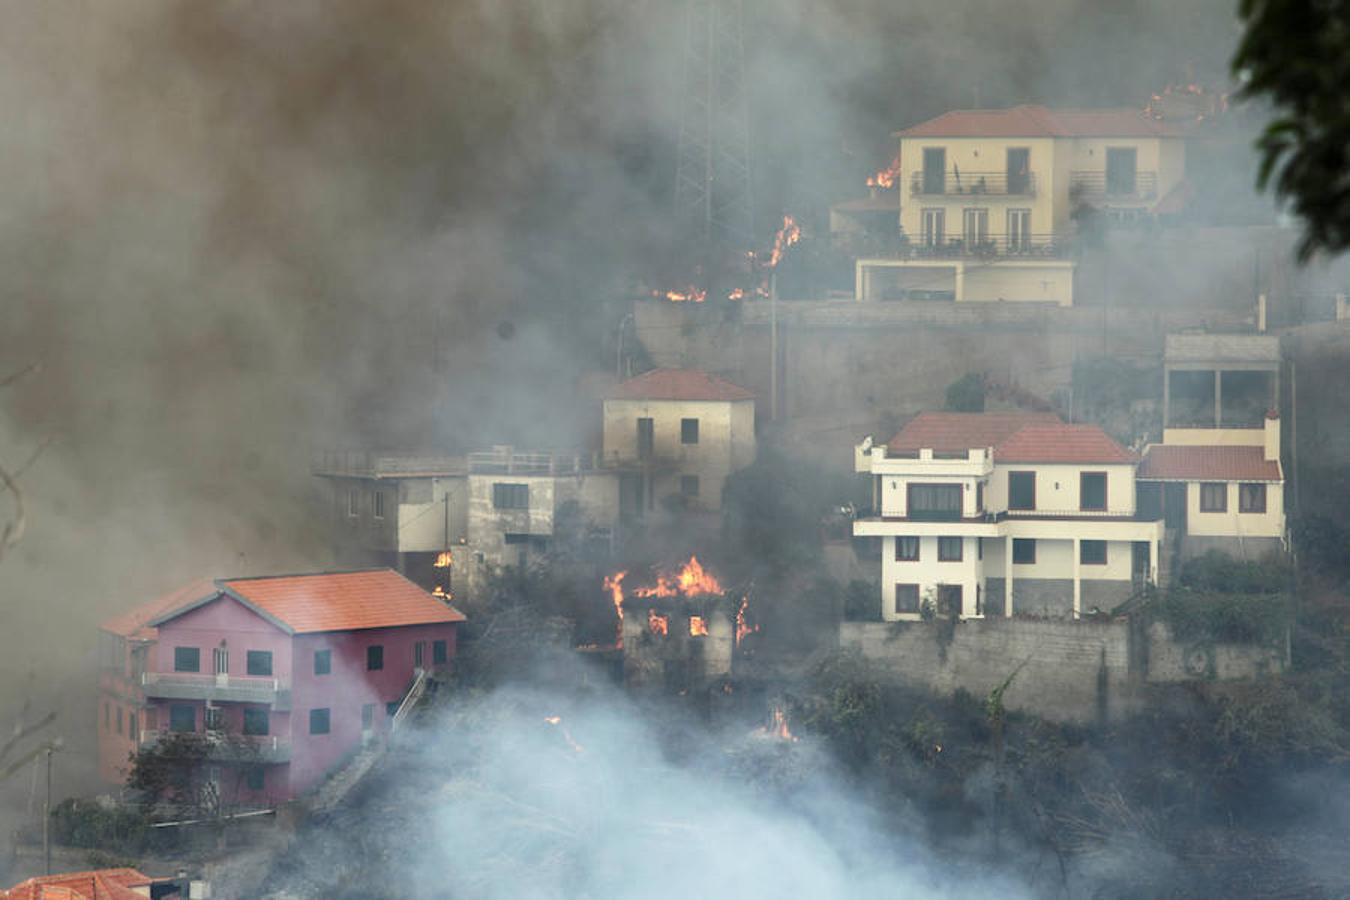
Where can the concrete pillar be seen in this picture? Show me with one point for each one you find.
(859, 280)
(1077, 580)
(1007, 577)
(1341, 311)
(1167, 396)
(1155, 570)
(960, 291)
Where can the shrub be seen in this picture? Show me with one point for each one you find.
(1229, 618)
(862, 601)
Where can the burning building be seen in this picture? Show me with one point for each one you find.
(680, 632)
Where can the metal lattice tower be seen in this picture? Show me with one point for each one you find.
(712, 175)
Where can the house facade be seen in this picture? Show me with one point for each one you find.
(284, 676)
(1001, 514)
(681, 433)
(990, 199)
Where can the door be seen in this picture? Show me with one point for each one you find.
(646, 438)
(220, 664)
(949, 600)
(976, 228)
(419, 653)
(1120, 171)
(1174, 505)
(1141, 564)
(1019, 230)
(934, 169)
(934, 227)
(1019, 170)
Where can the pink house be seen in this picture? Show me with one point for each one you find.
(306, 669)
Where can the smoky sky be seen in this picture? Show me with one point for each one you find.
(237, 232)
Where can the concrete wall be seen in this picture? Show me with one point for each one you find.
(677, 660)
(1070, 671)
(427, 521)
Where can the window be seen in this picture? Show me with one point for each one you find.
(934, 169)
(689, 485)
(255, 720)
(1214, 496)
(379, 504)
(182, 717)
(1019, 170)
(318, 721)
(1092, 553)
(213, 718)
(1121, 168)
(353, 502)
(1024, 551)
(906, 549)
(256, 778)
(1021, 490)
(133, 725)
(187, 659)
(374, 658)
(646, 438)
(440, 654)
(949, 549)
(119, 720)
(949, 600)
(906, 598)
(367, 717)
(220, 660)
(975, 227)
(510, 496)
(419, 651)
(979, 496)
(259, 662)
(934, 227)
(689, 431)
(1251, 498)
(1019, 230)
(940, 502)
(391, 708)
(323, 662)
(1092, 490)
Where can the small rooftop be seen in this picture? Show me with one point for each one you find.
(1040, 121)
(679, 384)
(956, 432)
(96, 884)
(1061, 443)
(1208, 463)
(366, 464)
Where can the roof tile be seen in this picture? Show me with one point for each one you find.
(678, 384)
(342, 601)
(1038, 121)
(1208, 463)
(134, 623)
(953, 432)
(1061, 443)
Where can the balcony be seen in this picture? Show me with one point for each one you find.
(218, 688)
(509, 461)
(991, 247)
(1096, 187)
(991, 184)
(233, 747)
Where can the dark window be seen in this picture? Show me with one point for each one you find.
(1251, 498)
(213, 718)
(1121, 167)
(510, 496)
(906, 598)
(1092, 490)
(689, 431)
(182, 717)
(318, 721)
(949, 600)
(259, 662)
(379, 504)
(133, 724)
(367, 717)
(119, 720)
(934, 501)
(375, 658)
(187, 659)
(1019, 170)
(391, 708)
(257, 778)
(906, 549)
(1214, 496)
(934, 168)
(1092, 553)
(255, 720)
(689, 485)
(515, 538)
(323, 662)
(1024, 551)
(353, 501)
(949, 549)
(979, 497)
(439, 653)
(646, 438)
(1021, 490)
(419, 653)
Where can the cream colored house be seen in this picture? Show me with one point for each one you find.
(989, 199)
(683, 432)
(996, 514)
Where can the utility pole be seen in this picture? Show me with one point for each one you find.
(773, 346)
(47, 815)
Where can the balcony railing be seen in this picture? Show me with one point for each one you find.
(508, 461)
(1096, 187)
(233, 747)
(218, 688)
(995, 184)
(1001, 246)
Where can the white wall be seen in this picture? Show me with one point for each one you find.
(928, 573)
(1049, 282)
(426, 522)
(1057, 487)
(1232, 523)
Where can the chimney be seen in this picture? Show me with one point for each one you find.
(1272, 441)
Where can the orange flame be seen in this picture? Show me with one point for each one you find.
(736, 294)
(614, 584)
(697, 626)
(444, 560)
(441, 593)
(788, 235)
(691, 581)
(742, 627)
(885, 178)
(657, 623)
(778, 726)
(697, 295)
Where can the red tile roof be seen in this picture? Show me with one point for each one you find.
(678, 384)
(1061, 443)
(1208, 463)
(952, 432)
(134, 623)
(99, 884)
(1038, 121)
(342, 601)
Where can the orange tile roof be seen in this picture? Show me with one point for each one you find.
(134, 623)
(953, 432)
(678, 384)
(98, 884)
(1038, 121)
(1061, 443)
(341, 601)
(1208, 463)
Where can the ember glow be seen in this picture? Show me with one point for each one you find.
(777, 726)
(742, 627)
(657, 623)
(697, 626)
(444, 560)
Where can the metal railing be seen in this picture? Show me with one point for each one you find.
(508, 461)
(415, 692)
(225, 688)
(995, 246)
(1097, 186)
(995, 184)
(261, 748)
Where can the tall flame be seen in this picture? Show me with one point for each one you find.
(788, 235)
(691, 581)
(614, 584)
(778, 726)
(742, 627)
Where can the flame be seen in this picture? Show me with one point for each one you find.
(557, 720)
(697, 295)
(441, 593)
(742, 628)
(777, 726)
(691, 581)
(788, 235)
(736, 294)
(885, 178)
(657, 623)
(614, 584)
(444, 560)
(697, 626)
